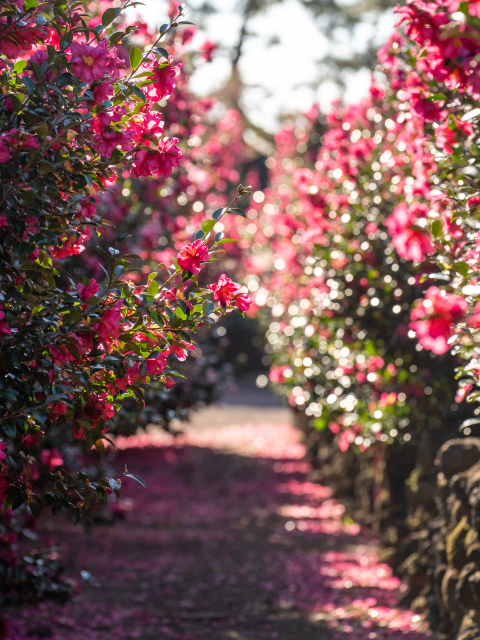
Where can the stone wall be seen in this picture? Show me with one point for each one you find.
(454, 549)
(424, 501)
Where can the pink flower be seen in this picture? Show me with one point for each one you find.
(71, 246)
(146, 122)
(463, 392)
(13, 41)
(181, 352)
(87, 208)
(107, 141)
(302, 179)
(410, 240)
(276, 375)
(51, 458)
(163, 161)
(187, 34)
(32, 439)
(4, 485)
(163, 80)
(109, 327)
(2, 450)
(20, 141)
(96, 408)
(448, 137)
(59, 408)
(474, 319)
(89, 63)
(156, 365)
(5, 154)
(344, 440)
(230, 294)
(434, 319)
(87, 291)
(4, 328)
(3, 221)
(168, 382)
(207, 50)
(102, 92)
(191, 255)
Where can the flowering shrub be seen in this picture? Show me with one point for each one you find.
(157, 215)
(73, 116)
(340, 293)
(434, 70)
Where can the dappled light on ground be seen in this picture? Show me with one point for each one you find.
(229, 540)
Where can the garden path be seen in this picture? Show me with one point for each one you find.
(229, 541)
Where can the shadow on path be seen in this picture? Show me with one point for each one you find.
(229, 540)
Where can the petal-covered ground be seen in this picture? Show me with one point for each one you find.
(229, 540)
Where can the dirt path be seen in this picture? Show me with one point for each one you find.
(228, 541)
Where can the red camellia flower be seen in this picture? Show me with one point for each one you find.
(4, 152)
(207, 50)
(86, 291)
(89, 63)
(4, 328)
(168, 382)
(192, 254)
(409, 239)
(163, 161)
(231, 294)
(163, 80)
(109, 327)
(156, 365)
(448, 136)
(4, 484)
(107, 141)
(434, 317)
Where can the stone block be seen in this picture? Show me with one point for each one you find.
(455, 542)
(457, 455)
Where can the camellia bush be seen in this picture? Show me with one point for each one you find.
(354, 232)
(75, 115)
(340, 295)
(157, 214)
(435, 71)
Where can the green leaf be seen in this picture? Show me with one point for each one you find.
(461, 267)
(225, 240)
(139, 93)
(216, 214)
(199, 235)
(153, 288)
(116, 37)
(29, 83)
(208, 225)
(437, 228)
(19, 66)
(135, 57)
(46, 167)
(208, 307)
(136, 478)
(64, 79)
(163, 28)
(35, 509)
(161, 51)
(237, 211)
(109, 16)
(42, 129)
